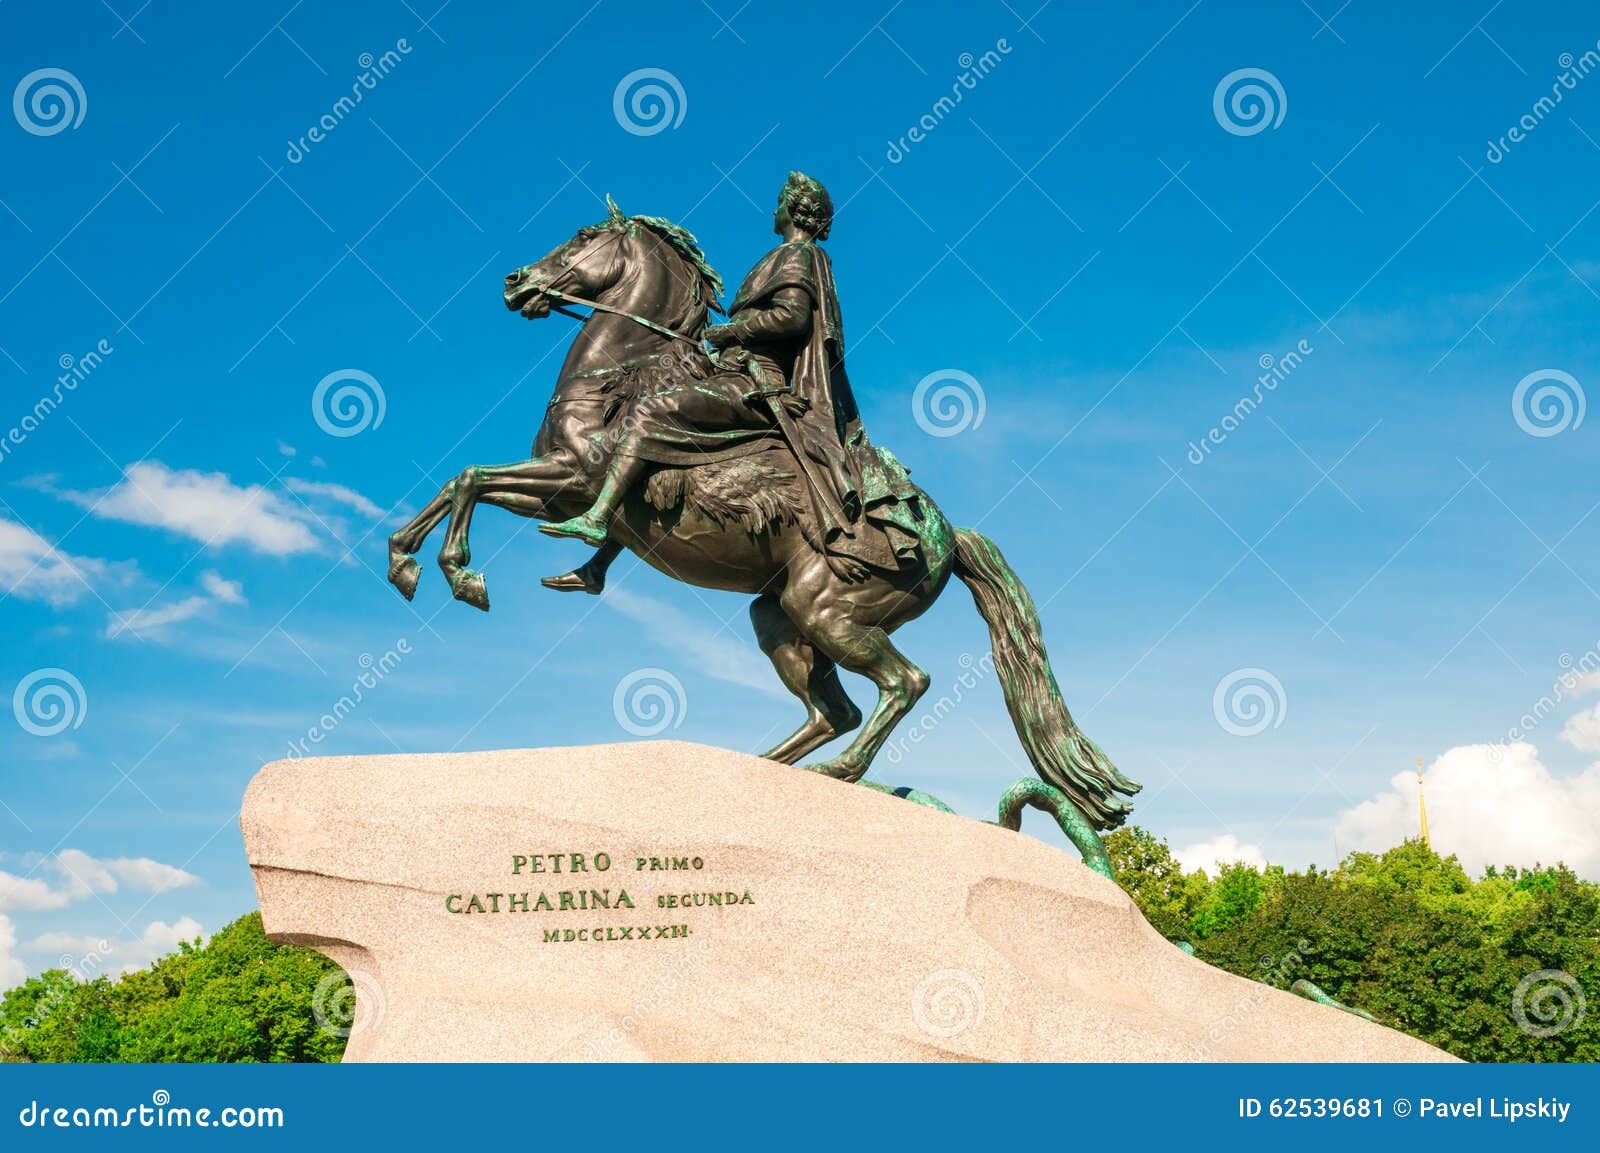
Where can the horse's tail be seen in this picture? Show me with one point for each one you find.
(1060, 752)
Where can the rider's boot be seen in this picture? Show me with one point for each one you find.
(593, 525)
(587, 578)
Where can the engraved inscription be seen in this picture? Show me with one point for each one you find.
(589, 896)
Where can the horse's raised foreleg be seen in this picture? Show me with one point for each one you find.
(403, 568)
(526, 487)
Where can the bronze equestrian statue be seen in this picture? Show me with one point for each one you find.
(746, 468)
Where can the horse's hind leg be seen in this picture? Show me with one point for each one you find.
(808, 675)
(865, 649)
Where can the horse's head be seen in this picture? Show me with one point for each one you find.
(660, 264)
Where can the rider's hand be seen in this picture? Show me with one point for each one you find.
(720, 335)
(796, 406)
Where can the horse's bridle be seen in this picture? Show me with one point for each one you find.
(551, 290)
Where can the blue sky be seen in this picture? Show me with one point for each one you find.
(1104, 253)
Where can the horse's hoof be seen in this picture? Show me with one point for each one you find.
(839, 768)
(470, 588)
(404, 574)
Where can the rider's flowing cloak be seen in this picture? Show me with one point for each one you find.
(863, 499)
(847, 476)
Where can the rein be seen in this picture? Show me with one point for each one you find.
(551, 290)
(660, 330)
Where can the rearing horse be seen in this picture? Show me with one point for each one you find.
(741, 526)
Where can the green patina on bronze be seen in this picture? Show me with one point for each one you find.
(1071, 819)
(1304, 988)
(1018, 796)
(916, 796)
(748, 437)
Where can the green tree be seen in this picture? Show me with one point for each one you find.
(238, 998)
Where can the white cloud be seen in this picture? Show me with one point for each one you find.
(338, 493)
(226, 591)
(1211, 856)
(88, 955)
(12, 971)
(147, 876)
(1489, 805)
(1582, 730)
(153, 623)
(79, 876)
(29, 893)
(206, 506)
(32, 568)
(138, 873)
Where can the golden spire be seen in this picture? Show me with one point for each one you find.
(1422, 806)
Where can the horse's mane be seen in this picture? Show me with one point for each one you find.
(682, 242)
